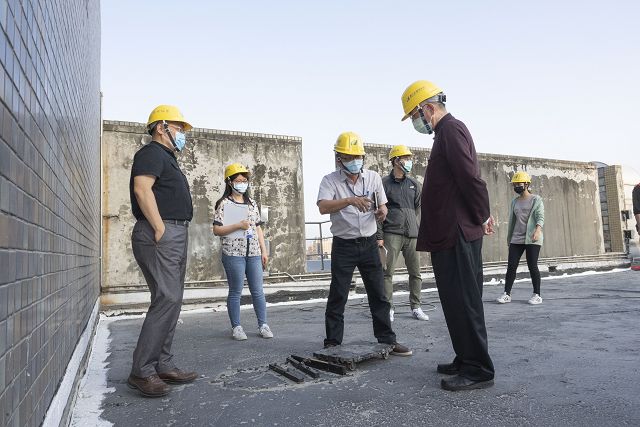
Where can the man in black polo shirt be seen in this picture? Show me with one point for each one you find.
(161, 203)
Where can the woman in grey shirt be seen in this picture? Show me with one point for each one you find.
(526, 219)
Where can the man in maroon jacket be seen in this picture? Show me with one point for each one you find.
(455, 217)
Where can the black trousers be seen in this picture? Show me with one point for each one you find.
(458, 273)
(346, 255)
(515, 253)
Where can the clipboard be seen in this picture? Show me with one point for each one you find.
(234, 213)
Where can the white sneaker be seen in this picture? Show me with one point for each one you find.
(391, 315)
(265, 332)
(419, 314)
(535, 299)
(238, 333)
(505, 298)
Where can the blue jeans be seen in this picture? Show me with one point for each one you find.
(236, 267)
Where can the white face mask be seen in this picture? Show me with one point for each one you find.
(421, 124)
(240, 187)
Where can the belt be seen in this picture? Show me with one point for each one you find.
(357, 240)
(182, 222)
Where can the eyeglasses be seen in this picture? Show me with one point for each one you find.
(348, 158)
(178, 128)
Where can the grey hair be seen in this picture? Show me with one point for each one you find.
(152, 126)
(438, 99)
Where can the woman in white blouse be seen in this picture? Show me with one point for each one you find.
(243, 249)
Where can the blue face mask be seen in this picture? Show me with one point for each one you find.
(354, 166)
(180, 141)
(408, 164)
(241, 187)
(421, 125)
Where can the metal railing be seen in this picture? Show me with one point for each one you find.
(319, 253)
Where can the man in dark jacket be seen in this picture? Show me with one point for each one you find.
(455, 216)
(399, 231)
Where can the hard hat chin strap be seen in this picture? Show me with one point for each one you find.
(399, 162)
(165, 126)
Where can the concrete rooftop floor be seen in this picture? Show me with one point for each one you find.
(572, 361)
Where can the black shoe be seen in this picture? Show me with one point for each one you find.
(459, 383)
(330, 344)
(449, 368)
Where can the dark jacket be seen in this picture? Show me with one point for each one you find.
(454, 196)
(404, 197)
(635, 195)
(403, 204)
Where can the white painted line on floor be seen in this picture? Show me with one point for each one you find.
(93, 387)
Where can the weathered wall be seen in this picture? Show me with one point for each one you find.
(49, 195)
(276, 182)
(630, 179)
(569, 190)
(612, 207)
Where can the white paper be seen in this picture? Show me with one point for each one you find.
(234, 213)
(383, 256)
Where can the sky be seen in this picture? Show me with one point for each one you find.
(550, 79)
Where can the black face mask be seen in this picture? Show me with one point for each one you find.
(519, 189)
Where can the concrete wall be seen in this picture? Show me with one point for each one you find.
(276, 183)
(615, 204)
(49, 195)
(569, 189)
(631, 178)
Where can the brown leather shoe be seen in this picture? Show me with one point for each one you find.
(151, 386)
(401, 350)
(177, 376)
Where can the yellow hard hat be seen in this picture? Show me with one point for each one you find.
(168, 113)
(399, 151)
(416, 93)
(233, 169)
(349, 143)
(521, 176)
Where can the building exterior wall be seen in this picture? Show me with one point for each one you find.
(615, 204)
(630, 179)
(275, 162)
(569, 190)
(49, 195)
(604, 209)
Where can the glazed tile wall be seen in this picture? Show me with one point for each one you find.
(49, 195)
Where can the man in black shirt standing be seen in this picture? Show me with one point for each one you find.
(161, 203)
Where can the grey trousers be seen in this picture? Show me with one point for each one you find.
(395, 244)
(163, 265)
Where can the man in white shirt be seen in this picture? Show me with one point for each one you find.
(355, 199)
